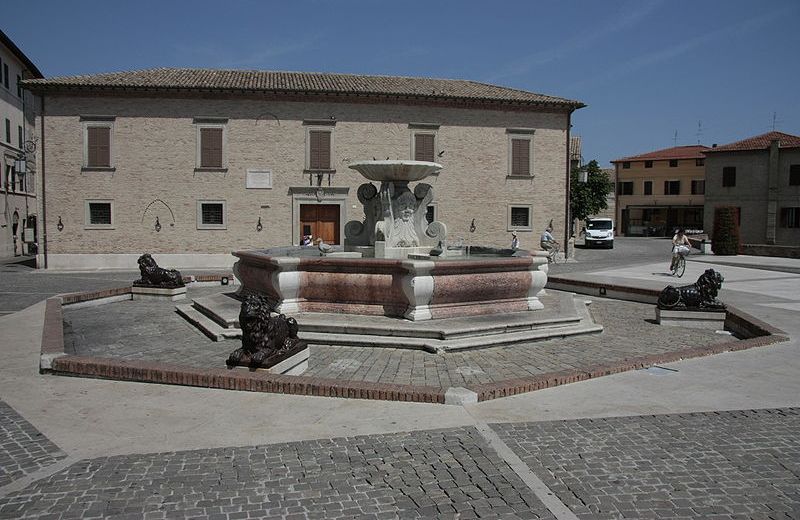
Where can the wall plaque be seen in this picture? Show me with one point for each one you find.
(259, 179)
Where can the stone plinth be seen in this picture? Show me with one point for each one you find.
(140, 292)
(293, 365)
(711, 320)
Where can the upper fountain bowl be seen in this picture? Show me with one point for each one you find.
(394, 171)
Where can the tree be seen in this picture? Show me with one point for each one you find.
(588, 198)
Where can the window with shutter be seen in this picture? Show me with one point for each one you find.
(98, 147)
(211, 147)
(424, 147)
(319, 150)
(520, 157)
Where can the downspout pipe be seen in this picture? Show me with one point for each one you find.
(44, 192)
(568, 217)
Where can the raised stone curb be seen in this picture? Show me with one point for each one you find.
(55, 360)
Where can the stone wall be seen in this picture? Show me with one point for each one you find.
(751, 193)
(154, 146)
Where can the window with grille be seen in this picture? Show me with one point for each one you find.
(519, 217)
(319, 150)
(430, 214)
(698, 187)
(211, 215)
(728, 176)
(790, 217)
(672, 187)
(99, 214)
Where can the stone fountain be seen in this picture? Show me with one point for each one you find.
(402, 266)
(397, 284)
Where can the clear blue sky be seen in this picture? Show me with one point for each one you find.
(646, 68)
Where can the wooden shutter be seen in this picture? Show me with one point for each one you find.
(520, 157)
(319, 150)
(98, 146)
(423, 147)
(211, 147)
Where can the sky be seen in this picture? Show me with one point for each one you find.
(654, 73)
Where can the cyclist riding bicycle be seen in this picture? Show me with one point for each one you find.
(680, 246)
(547, 242)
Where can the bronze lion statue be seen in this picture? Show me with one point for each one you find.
(264, 336)
(154, 276)
(700, 295)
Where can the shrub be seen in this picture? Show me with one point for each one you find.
(725, 240)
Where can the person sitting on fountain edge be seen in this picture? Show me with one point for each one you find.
(514, 240)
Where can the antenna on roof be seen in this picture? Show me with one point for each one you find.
(699, 133)
(775, 121)
(675, 139)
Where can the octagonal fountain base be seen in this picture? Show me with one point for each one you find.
(411, 289)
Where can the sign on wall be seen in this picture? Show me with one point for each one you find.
(259, 179)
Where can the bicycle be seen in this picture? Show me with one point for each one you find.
(679, 264)
(552, 255)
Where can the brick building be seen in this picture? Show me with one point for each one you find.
(760, 176)
(17, 179)
(191, 164)
(660, 191)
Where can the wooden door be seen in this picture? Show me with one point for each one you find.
(320, 221)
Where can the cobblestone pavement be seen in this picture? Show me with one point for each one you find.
(431, 474)
(720, 465)
(23, 449)
(153, 331)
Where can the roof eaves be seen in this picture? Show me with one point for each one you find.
(34, 70)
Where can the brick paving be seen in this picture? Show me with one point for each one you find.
(23, 449)
(448, 473)
(152, 331)
(718, 465)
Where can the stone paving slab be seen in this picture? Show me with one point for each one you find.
(23, 449)
(449, 473)
(722, 465)
(152, 331)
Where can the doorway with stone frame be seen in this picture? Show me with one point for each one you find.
(319, 212)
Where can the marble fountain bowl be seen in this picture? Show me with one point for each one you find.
(395, 171)
(489, 282)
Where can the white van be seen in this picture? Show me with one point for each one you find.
(600, 232)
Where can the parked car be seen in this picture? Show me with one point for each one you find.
(600, 232)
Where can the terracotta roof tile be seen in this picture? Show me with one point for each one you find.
(694, 151)
(759, 142)
(297, 82)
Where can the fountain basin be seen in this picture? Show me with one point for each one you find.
(411, 289)
(395, 171)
